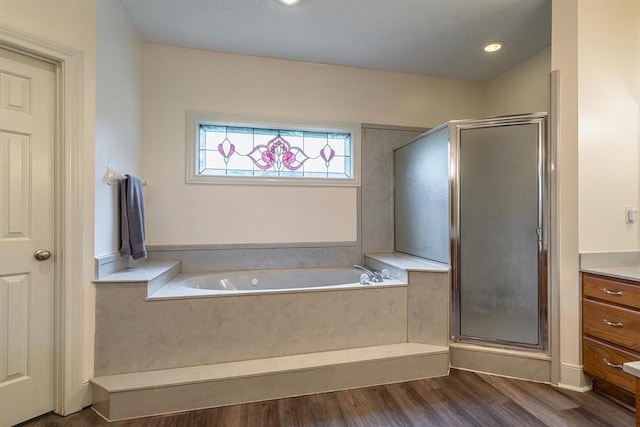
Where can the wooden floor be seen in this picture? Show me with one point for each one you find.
(461, 399)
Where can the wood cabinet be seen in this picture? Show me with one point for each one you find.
(611, 333)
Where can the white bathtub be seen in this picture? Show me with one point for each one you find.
(265, 281)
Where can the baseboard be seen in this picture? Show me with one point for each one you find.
(87, 395)
(572, 377)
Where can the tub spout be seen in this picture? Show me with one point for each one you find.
(374, 276)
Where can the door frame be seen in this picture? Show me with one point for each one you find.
(539, 119)
(69, 384)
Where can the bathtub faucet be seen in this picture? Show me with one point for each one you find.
(374, 276)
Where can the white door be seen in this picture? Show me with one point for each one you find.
(26, 225)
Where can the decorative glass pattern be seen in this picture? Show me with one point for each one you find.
(249, 151)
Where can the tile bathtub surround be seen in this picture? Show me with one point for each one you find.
(226, 258)
(428, 300)
(428, 294)
(137, 335)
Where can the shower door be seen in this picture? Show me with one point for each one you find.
(498, 246)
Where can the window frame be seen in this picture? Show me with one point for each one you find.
(196, 118)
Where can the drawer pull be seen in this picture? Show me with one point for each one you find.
(614, 324)
(616, 293)
(612, 365)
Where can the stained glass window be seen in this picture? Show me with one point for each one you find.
(276, 153)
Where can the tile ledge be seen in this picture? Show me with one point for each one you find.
(409, 262)
(143, 272)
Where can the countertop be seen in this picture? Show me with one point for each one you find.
(632, 368)
(629, 272)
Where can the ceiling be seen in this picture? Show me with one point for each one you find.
(441, 38)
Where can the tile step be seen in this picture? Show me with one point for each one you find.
(140, 394)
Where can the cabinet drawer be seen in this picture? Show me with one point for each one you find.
(596, 355)
(617, 325)
(617, 291)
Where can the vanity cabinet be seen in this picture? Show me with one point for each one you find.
(610, 333)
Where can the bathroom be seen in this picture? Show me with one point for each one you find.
(136, 116)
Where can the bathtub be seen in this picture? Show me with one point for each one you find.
(251, 282)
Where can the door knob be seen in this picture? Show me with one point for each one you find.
(42, 254)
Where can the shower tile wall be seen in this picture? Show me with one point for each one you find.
(376, 221)
(243, 258)
(378, 144)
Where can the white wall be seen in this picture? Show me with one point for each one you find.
(522, 89)
(609, 130)
(118, 115)
(71, 23)
(177, 80)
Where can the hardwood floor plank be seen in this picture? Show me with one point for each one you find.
(472, 404)
(312, 410)
(389, 406)
(355, 408)
(263, 414)
(579, 417)
(417, 409)
(326, 410)
(371, 406)
(291, 411)
(528, 401)
(472, 381)
(450, 412)
(601, 407)
(545, 393)
(226, 416)
(500, 404)
(516, 415)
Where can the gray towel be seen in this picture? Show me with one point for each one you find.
(131, 217)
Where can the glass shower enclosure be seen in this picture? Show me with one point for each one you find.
(472, 193)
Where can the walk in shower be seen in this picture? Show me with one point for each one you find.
(472, 193)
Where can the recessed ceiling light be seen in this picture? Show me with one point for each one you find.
(493, 47)
(288, 2)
